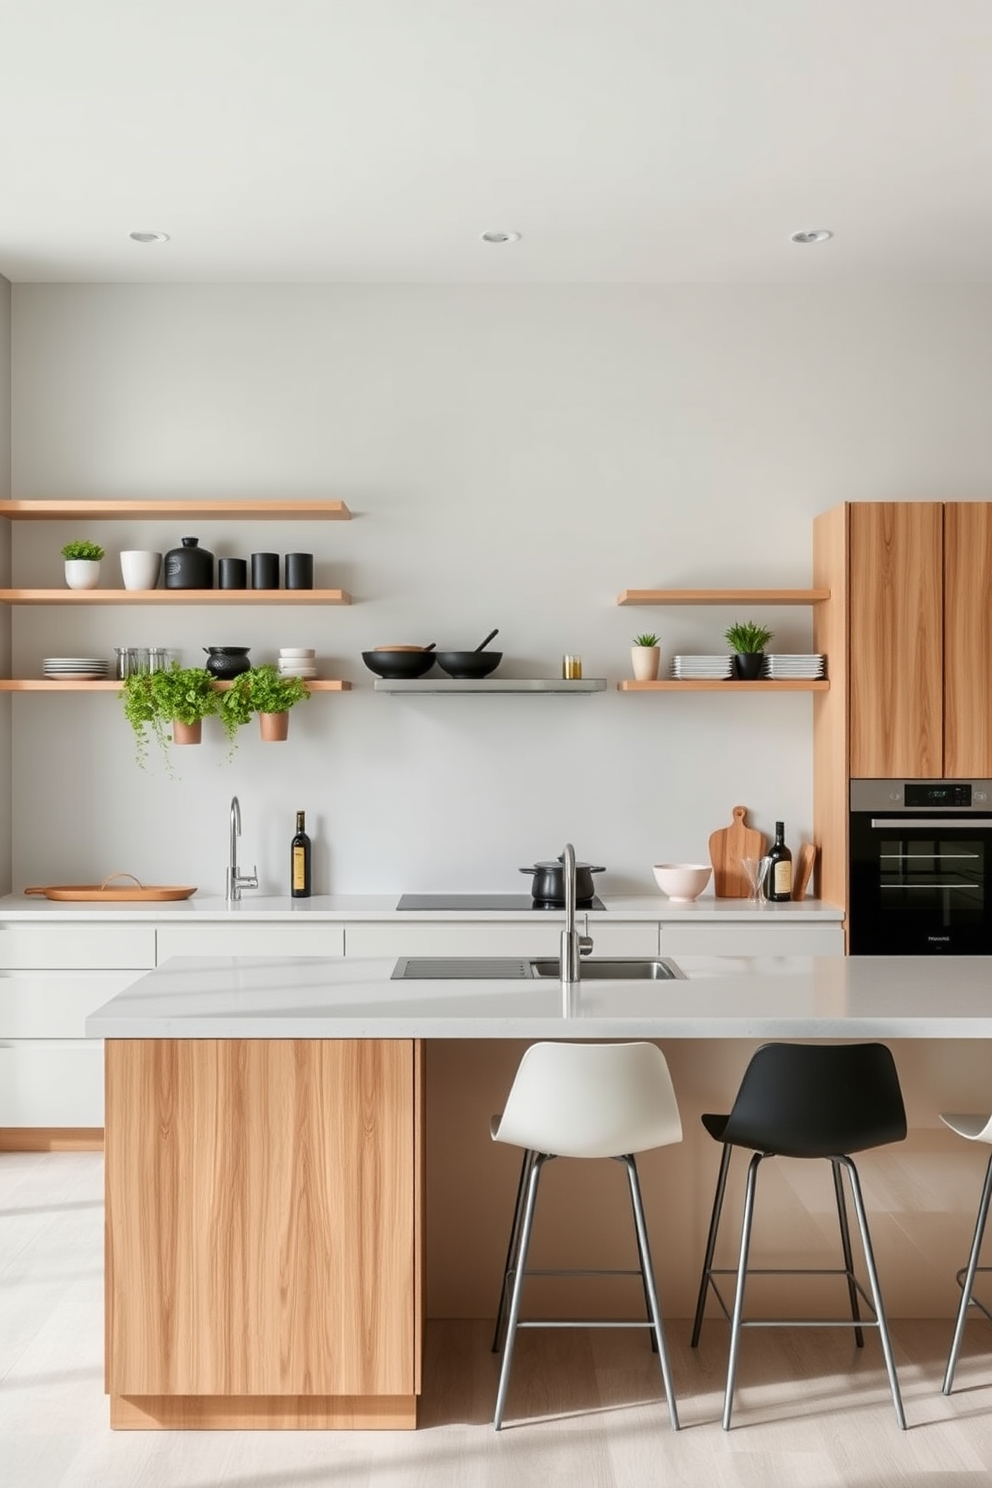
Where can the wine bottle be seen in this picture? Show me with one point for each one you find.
(778, 885)
(299, 879)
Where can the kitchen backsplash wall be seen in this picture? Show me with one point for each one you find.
(513, 457)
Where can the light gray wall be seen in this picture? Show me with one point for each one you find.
(5, 619)
(513, 457)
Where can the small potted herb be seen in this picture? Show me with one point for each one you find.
(748, 641)
(645, 656)
(180, 696)
(82, 564)
(264, 691)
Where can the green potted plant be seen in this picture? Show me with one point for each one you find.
(179, 696)
(264, 691)
(645, 656)
(82, 563)
(748, 641)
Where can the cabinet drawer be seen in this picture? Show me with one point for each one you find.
(76, 947)
(47, 1005)
(473, 939)
(633, 938)
(246, 939)
(54, 1083)
(753, 940)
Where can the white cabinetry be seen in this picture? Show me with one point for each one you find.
(51, 977)
(747, 938)
(534, 937)
(248, 938)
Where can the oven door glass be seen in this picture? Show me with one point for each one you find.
(920, 888)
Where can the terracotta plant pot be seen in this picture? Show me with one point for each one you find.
(274, 726)
(187, 733)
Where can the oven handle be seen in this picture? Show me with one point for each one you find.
(931, 821)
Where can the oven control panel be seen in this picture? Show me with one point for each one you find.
(921, 795)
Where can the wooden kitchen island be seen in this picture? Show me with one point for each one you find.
(266, 1145)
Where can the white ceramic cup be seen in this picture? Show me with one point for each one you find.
(140, 569)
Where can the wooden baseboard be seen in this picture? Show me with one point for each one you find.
(263, 1412)
(51, 1138)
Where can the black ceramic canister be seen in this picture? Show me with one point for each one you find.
(232, 573)
(189, 567)
(265, 570)
(299, 570)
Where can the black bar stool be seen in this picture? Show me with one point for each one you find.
(807, 1100)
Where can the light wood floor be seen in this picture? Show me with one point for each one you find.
(584, 1407)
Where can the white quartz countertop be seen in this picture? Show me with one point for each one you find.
(719, 997)
(372, 907)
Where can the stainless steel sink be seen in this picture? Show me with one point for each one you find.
(523, 968)
(617, 969)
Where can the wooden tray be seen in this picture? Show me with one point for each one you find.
(110, 893)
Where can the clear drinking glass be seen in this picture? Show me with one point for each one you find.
(755, 871)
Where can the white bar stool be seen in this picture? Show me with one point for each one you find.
(588, 1101)
(973, 1129)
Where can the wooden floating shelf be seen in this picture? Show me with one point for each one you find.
(265, 511)
(722, 596)
(176, 596)
(728, 684)
(577, 686)
(46, 684)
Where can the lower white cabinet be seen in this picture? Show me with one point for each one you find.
(448, 938)
(250, 938)
(51, 1083)
(752, 939)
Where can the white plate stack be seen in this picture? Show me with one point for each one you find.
(793, 668)
(75, 668)
(702, 668)
(296, 661)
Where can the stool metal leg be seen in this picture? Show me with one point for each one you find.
(527, 1224)
(969, 1281)
(845, 1240)
(512, 1249)
(704, 1283)
(735, 1326)
(876, 1292)
(647, 1274)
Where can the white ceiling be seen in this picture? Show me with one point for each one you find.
(628, 141)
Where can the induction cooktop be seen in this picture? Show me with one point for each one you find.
(509, 902)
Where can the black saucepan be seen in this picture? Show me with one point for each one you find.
(549, 881)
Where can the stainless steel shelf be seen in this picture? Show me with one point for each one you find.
(491, 684)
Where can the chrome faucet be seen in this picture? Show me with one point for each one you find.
(236, 880)
(573, 945)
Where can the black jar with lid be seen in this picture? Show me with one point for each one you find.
(189, 567)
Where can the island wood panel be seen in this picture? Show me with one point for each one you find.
(262, 1227)
(967, 639)
(896, 655)
(830, 710)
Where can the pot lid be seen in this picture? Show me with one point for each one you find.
(556, 865)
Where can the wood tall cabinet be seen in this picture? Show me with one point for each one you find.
(264, 1232)
(908, 633)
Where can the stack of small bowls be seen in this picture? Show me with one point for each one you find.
(297, 661)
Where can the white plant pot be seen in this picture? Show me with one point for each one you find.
(140, 568)
(82, 573)
(645, 661)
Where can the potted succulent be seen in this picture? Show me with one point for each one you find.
(180, 696)
(82, 564)
(264, 691)
(645, 656)
(748, 641)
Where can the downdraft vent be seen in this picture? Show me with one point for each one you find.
(462, 969)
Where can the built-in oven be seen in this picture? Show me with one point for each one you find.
(921, 868)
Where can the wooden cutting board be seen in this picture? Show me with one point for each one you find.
(804, 871)
(727, 847)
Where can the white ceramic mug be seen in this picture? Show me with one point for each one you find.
(140, 569)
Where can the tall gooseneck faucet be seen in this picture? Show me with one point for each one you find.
(573, 945)
(236, 880)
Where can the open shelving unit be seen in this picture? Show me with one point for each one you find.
(575, 685)
(46, 684)
(729, 684)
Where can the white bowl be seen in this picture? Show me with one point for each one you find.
(297, 652)
(682, 882)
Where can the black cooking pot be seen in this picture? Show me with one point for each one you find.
(549, 881)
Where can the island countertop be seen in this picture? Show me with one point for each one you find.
(252, 997)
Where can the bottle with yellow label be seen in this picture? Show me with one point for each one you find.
(778, 884)
(299, 878)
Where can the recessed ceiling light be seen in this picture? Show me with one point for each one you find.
(500, 235)
(812, 235)
(148, 237)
